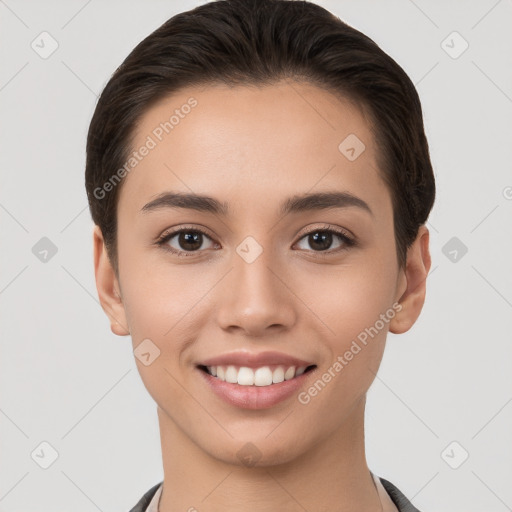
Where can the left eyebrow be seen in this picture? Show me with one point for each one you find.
(295, 204)
(323, 201)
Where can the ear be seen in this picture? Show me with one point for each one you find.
(108, 286)
(413, 283)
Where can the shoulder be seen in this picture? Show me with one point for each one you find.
(398, 498)
(143, 503)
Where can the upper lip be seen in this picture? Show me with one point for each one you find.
(254, 360)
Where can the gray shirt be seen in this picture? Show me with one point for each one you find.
(392, 499)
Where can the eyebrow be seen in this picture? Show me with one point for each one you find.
(295, 204)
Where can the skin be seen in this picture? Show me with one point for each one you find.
(252, 148)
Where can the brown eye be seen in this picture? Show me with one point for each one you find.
(321, 240)
(184, 241)
(190, 240)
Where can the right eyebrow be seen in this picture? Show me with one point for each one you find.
(196, 202)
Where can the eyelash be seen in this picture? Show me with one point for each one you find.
(347, 240)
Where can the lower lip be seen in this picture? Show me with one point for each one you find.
(254, 397)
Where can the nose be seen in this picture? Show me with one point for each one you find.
(256, 297)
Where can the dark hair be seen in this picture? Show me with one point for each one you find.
(262, 42)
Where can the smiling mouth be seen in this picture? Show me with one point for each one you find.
(261, 376)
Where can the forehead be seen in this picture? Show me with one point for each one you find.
(251, 143)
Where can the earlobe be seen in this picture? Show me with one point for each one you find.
(107, 286)
(415, 277)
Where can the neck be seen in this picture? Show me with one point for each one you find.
(332, 474)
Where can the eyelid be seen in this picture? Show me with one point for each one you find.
(327, 227)
(185, 227)
(306, 231)
(349, 240)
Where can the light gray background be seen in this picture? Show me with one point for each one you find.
(67, 380)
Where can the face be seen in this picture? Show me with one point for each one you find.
(243, 276)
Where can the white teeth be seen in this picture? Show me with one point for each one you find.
(231, 375)
(262, 376)
(300, 371)
(290, 373)
(245, 376)
(278, 375)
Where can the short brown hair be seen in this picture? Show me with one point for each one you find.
(261, 42)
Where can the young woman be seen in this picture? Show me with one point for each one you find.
(259, 179)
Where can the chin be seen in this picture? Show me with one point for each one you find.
(258, 451)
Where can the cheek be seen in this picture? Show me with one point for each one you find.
(355, 308)
(355, 342)
(350, 300)
(163, 303)
(161, 318)
(152, 294)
